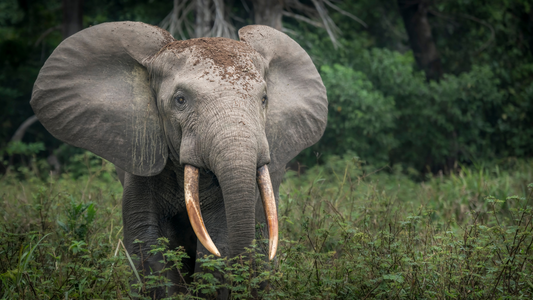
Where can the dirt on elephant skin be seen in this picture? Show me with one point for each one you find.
(234, 59)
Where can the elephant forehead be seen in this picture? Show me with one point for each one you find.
(229, 60)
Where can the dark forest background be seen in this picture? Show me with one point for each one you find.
(417, 84)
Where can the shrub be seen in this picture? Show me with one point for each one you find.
(347, 231)
(382, 109)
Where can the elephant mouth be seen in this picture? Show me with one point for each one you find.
(192, 202)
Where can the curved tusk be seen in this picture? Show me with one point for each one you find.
(269, 205)
(192, 201)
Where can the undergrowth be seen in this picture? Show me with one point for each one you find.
(347, 231)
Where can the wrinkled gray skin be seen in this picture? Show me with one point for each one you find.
(151, 105)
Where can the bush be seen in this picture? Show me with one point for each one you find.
(361, 118)
(382, 109)
(351, 234)
(347, 231)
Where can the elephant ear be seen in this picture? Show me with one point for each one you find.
(94, 93)
(297, 101)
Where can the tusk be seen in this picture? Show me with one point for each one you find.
(269, 205)
(192, 201)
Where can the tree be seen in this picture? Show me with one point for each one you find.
(210, 19)
(268, 12)
(72, 17)
(414, 15)
(204, 18)
(213, 17)
(72, 23)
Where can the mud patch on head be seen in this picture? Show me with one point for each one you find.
(231, 59)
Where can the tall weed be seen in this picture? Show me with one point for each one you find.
(347, 231)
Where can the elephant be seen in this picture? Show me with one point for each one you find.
(200, 130)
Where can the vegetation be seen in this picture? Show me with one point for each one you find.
(347, 232)
(448, 216)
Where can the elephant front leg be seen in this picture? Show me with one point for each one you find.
(141, 230)
(138, 239)
(145, 218)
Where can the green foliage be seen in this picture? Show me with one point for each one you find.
(26, 156)
(21, 148)
(479, 111)
(361, 118)
(351, 234)
(385, 112)
(81, 163)
(347, 231)
(47, 259)
(80, 217)
(21, 26)
(12, 279)
(243, 276)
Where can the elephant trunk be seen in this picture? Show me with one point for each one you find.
(237, 180)
(234, 158)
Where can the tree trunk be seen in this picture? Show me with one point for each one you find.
(204, 18)
(414, 14)
(19, 134)
(527, 19)
(268, 12)
(72, 17)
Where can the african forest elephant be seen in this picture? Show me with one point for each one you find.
(201, 128)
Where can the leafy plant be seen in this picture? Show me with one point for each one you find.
(80, 217)
(347, 231)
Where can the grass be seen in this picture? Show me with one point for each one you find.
(384, 236)
(347, 232)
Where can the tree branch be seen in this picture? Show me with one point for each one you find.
(45, 34)
(330, 26)
(302, 18)
(19, 134)
(492, 31)
(343, 12)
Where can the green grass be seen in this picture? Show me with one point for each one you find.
(348, 231)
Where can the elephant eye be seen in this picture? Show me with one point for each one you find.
(264, 100)
(180, 100)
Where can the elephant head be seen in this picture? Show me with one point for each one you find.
(129, 92)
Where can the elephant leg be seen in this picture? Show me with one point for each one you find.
(180, 233)
(140, 219)
(150, 210)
